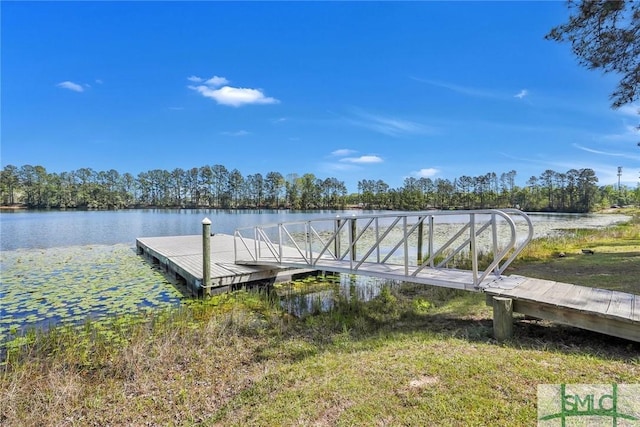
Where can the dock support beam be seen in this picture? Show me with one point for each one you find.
(206, 252)
(502, 318)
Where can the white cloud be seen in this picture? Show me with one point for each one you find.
(362, 159)
(425, 173)
(630, 110)
(343, 152)
(71, 86)
(388, 125)
(237, 133)
(629, 133)
(99, 81)
(216, 81)
(228, 95)
(234, 96)
(472, 91)
(341, 167)
(464, 90)
(606, 153)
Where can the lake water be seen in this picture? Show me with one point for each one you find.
(64, 267)
(50, 229)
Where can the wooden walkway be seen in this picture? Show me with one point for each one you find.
(181, 256)
(608, 312)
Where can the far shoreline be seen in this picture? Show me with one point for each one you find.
(25, 208)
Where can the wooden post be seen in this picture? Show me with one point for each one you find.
(206, 252)
(502, 318)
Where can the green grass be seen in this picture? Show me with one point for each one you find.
(237, 359)
(614, 264)
(414, 355)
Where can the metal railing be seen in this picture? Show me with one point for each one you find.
(414, 240)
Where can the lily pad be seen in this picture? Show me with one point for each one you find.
(46, 287)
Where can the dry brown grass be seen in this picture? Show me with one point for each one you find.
(174, 373)
(243, 362)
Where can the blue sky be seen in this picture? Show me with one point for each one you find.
(351, 90)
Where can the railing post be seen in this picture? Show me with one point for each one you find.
(377, 240)
(406, 245)
(336, 235)
(256, 242)
(472, 248)
(352, 238)
(280, 242)
(206, 252)
(308, 228)
(494, 231)
(430, 248)
(420, 232)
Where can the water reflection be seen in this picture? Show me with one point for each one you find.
(342, 287)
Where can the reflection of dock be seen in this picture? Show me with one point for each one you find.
(181, 256)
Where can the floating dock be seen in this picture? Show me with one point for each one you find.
(181, 257)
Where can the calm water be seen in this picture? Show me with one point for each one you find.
(50, 229)
(60, 267)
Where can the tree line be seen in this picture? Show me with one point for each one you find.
(214, 186)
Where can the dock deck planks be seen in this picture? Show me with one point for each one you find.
(182, 256)
(600, 310)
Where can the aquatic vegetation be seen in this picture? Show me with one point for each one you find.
(71, 285)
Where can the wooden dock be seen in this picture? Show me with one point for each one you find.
(609, 312)
(604, 311)
(181, 257)
(600, 310)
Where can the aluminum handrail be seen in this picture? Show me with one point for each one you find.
(380, 237)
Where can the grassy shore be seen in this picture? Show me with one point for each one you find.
(413, 356)
(614, 263)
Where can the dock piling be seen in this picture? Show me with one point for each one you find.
(502, 318)
(206, 252)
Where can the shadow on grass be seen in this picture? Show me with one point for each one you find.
(533, 334)
(465, 319)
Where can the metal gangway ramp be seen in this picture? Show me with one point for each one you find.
(417, 247)
(423, 247)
